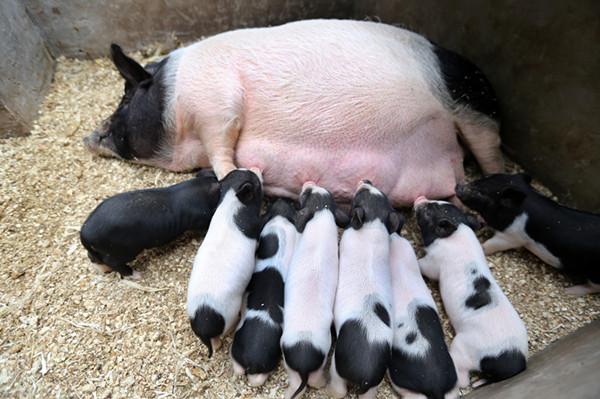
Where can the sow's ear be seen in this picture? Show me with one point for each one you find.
(245, 193)
(341, 219)
(131, 71)
(394, 222)
(358, 217)
(512, 198)
(472, 222)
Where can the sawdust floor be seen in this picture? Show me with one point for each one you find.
(67, 331)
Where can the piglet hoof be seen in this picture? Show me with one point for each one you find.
(216, 343)
(370, 394)
(237, 368)
(290, 391)
(335, 391)
(101, 268)
(479, 383)
(136, 276)
(256, 380)
(317, 379)
(583, 289)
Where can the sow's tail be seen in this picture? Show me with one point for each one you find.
(206, 324)
(304, 358)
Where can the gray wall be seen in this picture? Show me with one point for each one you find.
(543, 59)
(25, 67)
(86, 29)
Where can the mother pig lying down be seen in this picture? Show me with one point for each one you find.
(328, 101)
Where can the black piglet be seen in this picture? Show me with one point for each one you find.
(124, 225)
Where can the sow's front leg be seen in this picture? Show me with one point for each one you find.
(220, 142)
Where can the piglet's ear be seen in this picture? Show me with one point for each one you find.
(395, 222)
(358, 218)
(444, 228)
(472, 222)
(341, 219)
(131, 71)
(526, 178)
(245, 193)
(512, 198)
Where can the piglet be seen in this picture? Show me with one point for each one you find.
(564, 238)
(420, 364)
(363, 301)
(310, 290)
(255, 350)
(490, 337)
(225, 261)
(124, 225)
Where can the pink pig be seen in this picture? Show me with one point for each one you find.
(330, 101)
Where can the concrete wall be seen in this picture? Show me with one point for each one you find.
(86, 29)
(543, 59)
(26, 69)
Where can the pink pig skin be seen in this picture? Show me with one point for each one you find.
(329, 101)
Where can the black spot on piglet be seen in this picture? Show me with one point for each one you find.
(207, 324)
(267, 246)
(304, 358)
(410, 337)
(503, 366)
(481, 297)
(380, 311)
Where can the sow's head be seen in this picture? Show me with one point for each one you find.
(136, 130)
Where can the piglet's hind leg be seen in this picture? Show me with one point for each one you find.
(337, 385)
(499, 242)
(583, 289)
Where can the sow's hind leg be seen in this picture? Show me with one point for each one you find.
(475, 106)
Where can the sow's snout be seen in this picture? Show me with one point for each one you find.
(99, 142)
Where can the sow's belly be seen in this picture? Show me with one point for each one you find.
(404, 161)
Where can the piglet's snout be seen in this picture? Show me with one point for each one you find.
(420, 200)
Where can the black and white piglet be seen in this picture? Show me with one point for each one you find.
(490, 336)
(225, 260)
(310, 290)
(420, 365)
(256, 349)
(561, 237)
(124, 225)
(363, 301)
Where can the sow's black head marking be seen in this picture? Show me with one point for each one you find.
(304, 358)
(135, 130)
(256, 346)
(441, 219)
(313, 200)
(503, 366)
(370, 204)
(266, 292)
(206, 324)
(432, 375)
(248, 189)
(499, 198)
(481, 296)
(466, 83)
(359, 360)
